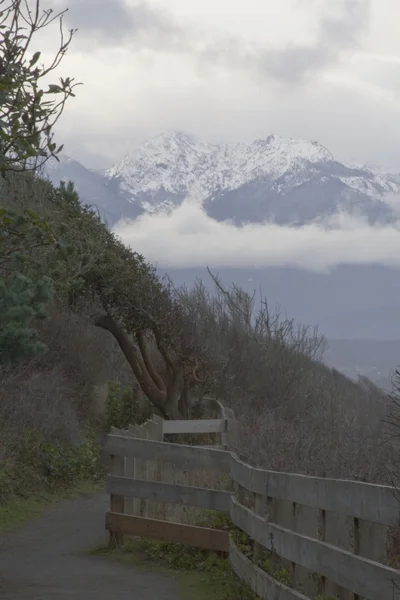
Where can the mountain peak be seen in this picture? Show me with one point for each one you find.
(285, 180)
(294, 149)
(167, 167)
(174, 160)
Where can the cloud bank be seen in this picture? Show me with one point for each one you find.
(187, 237)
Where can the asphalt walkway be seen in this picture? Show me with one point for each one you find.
(47, 559)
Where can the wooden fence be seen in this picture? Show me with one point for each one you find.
(329, 534)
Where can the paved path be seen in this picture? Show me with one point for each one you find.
(47, 560)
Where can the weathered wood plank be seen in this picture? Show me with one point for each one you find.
(215, 406)
(130, 503)
(117, 501)
(178, 454)
(142, 471)
(211, 446)
(232, 432)
(164, 531)
(259, 506)
(155, 432)
(376, 503)
(135, 432)
(365, 501)
(195, 426)
(364, 577)
(115, 430)
(250, 478)
(260, 582)
(362, 500)
(222, 409)
(169, 493)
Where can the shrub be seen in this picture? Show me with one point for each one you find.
(123, 406)
(63, 464)
(21, 300)
(39, 465)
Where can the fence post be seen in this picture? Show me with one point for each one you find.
(231, 428)
(370, 542)
(155, 433)
(159, 436)
(134, 432)
(142, 473)
(259, 509)
(224, 433)
(129, 472)
(117, 503)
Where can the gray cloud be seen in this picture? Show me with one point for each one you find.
(102, 17)
(352, 110)
(364, 129)
(142, 26)
(293, 63)
(114, 22)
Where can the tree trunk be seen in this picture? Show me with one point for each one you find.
(174, 391)
(166, 400)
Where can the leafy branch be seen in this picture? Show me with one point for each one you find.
(28, 113)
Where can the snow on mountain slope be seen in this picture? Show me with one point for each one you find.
(273, 172)
(288, 181)
(175, 161)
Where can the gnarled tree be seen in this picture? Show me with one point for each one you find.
(126, 297)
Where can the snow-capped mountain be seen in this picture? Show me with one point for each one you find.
(177, 161)
(287, 181)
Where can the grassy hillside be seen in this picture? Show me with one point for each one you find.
(294, 413)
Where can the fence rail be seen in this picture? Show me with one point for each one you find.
(330, 534)
(195, 426)
(193, 456)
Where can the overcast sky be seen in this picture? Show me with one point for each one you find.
(232, 70)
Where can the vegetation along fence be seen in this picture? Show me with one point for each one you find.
(328, 536)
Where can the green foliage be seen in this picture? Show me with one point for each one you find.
(186, 558)
(64, 464)
(22, 475)
(42, 465)
(281, 574)
(182, 558)
(218, 520)
(21, 233)
(27, 112)
(21, 300)
(6, 482)
(122, 406)
(25, 289)
(56, 239)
